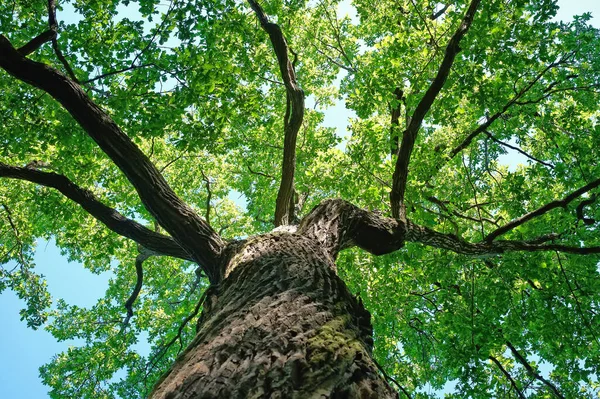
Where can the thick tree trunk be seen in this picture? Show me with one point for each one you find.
(281, 324)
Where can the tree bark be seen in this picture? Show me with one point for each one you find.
(281, 324)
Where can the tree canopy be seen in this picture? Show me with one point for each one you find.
(499, 295)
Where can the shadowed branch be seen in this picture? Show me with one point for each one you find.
(187, 228)
(532, 372)
(542, 210)
(294, 114)
(508, 377)
(337, 224)
(139, 271)
(112, 219)
(410, 134)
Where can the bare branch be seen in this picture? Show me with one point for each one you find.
(410, 134)
(579, 210)
(334, 23)
(160, 354)
(254, 172)
(390, 378)
(208, 196)
(424, 21)
(187, 228)
(156, 32)
(294, 115)
(108, 216)
(542, 210)
(330, 59)
(395, 121)
(479, 219)
(16, 233)
(512, 147)
(577, 303)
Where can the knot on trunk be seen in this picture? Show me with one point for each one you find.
(337, 224)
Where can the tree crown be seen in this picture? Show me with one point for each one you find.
(226, 99)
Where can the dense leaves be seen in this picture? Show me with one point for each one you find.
(196, 86)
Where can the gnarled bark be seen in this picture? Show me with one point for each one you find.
(281, 324)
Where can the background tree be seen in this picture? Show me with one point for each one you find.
(123, 140)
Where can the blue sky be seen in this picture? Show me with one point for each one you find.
(23, 350)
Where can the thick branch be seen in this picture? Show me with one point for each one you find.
(439, 13)
(337, 224)
(112, 219)
(410, 134)
(37, 42)
(542, 210)
(532, 372)
(189, 230)
(580, 208)
(293, 116)
(427, 236)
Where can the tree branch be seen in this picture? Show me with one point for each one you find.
(37, 42)
(337, 224)
(115, 72)
(187, 228)
(439, 13)
(512, 147)
(507, 375)
(532, 372)
(390, 378)
(163, 350)
(208, 196)
(294, 115)
(112, 219)
(410, 134)
(514, 100)
(542, 210)
(579, 210)
(16, 234)
(139, 271)
(395, 121)
(53, 23)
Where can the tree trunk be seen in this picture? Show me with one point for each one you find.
(281, 324)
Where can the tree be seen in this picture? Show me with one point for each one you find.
(124, 139)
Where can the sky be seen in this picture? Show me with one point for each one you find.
(23, 351)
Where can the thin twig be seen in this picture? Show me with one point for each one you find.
(518, 150)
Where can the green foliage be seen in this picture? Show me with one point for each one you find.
(204, 100)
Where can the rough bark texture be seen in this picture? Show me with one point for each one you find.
(282, 324)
